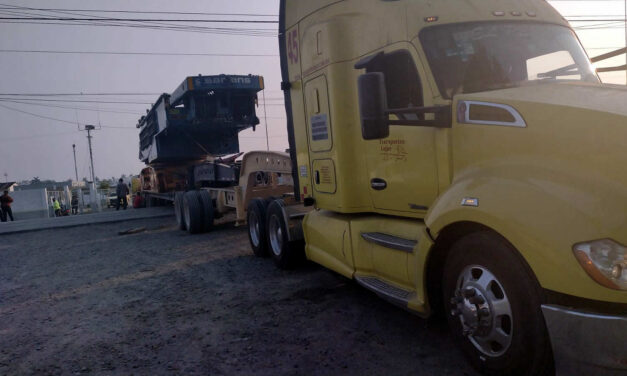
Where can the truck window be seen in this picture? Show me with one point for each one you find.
(551, 62)
(483, 56)
(401, 79)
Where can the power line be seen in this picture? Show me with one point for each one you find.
(73, 94)
(134, 20)
(597, 20)
(57, 120)
(147, 25)
(4, 139)
(71, 108)
(137, 53)
(99, 101)
(242, 32)
(81, 101)
(147, 12)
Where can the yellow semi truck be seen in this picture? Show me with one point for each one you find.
(461, 157)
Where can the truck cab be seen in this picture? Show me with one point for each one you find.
(462, 157)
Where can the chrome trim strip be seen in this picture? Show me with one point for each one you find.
(390, 241)
(518, 123)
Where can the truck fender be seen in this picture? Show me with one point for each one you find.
(542, 224)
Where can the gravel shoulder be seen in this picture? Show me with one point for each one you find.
(86, 300)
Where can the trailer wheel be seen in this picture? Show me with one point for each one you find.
(256, 218)
(493, 307)
(178, 210)
(207, 212)
(192, 209)
(286, 254)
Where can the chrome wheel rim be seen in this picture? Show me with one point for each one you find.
(484, 310)
(253, 229)
(276, 235)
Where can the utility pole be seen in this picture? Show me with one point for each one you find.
(6, 177)
(78, 183)
(94, 192)
(90, 128)
(75, 168)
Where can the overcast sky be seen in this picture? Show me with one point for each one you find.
(32, 146)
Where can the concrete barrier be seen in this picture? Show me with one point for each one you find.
(29, 204)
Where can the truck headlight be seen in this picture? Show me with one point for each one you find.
(605, 261)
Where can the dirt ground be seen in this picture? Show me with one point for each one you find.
(86, 300)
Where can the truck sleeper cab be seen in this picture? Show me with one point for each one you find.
(461, 157)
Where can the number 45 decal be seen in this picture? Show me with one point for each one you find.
(292, 46)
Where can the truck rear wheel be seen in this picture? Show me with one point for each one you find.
(207, 210)
(257, 234)
(286, 254)
(192, 210)
(493, 307)
(178, 210)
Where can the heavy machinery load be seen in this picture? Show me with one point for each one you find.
(189, 142)
(203, 117)
(460, 157)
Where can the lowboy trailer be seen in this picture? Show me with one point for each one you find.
(189, 142)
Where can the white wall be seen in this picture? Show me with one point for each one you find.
(29, 204)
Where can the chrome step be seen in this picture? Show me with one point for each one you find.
(390, 241)
(385, 290)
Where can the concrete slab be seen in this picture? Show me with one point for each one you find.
(84, 220)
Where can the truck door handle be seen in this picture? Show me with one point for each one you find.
(378, 184)
(317, 177)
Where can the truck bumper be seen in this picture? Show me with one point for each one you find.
(587, 343)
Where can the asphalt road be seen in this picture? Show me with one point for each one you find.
(85, 300)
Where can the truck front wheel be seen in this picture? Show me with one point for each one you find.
(493, 307)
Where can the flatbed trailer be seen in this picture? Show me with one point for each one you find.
(260, 175)
(189, 142)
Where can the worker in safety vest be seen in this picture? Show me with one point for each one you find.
(57, 207)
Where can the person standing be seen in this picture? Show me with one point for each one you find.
(57, 207)
(5, 207)
(121, 191)
(74, 203)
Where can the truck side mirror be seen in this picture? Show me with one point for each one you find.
(373, 106)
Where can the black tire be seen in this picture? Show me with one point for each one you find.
(508, 336)
(192, 210)
(178, 210)
(207, 210)
(257, 234)
(286, 255)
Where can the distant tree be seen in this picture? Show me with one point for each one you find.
(35, 180)
(104, 184)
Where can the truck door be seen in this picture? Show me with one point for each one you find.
(402, 167)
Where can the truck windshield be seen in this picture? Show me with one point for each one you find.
(475, 57)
